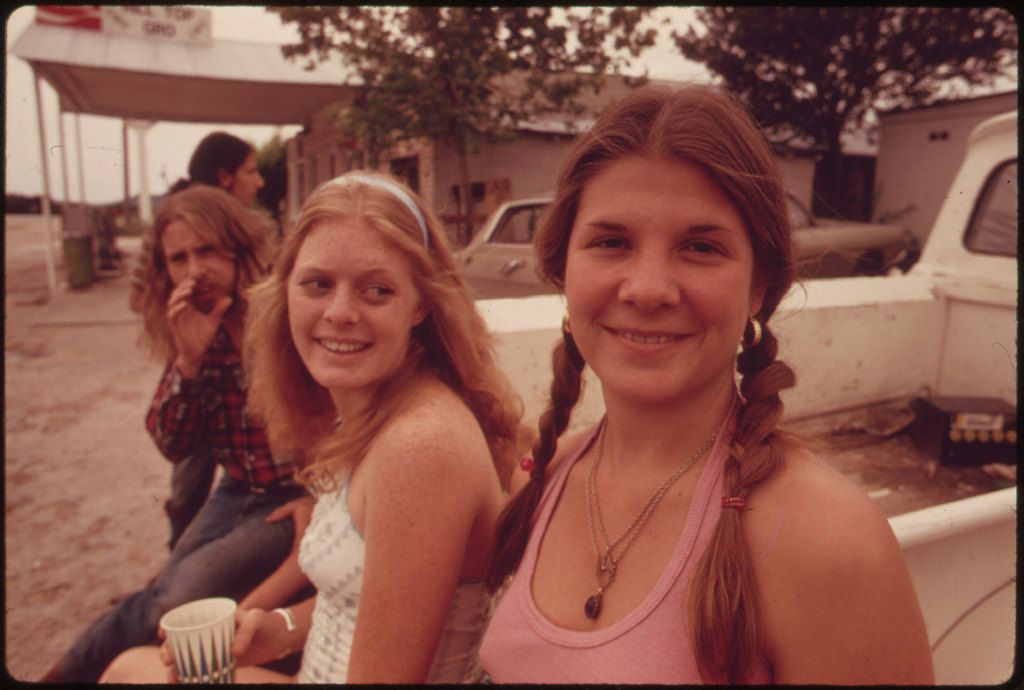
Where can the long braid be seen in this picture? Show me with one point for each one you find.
(726, 630)
(513, 529)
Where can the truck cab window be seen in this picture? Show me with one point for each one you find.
(993, 227)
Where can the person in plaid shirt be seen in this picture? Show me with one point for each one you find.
(220, 160)
(208, 249)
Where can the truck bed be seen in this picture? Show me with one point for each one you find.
(873, 447)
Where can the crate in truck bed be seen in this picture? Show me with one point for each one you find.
(966, 430)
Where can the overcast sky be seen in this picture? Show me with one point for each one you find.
(169, 145)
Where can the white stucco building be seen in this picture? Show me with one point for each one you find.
(919, 152)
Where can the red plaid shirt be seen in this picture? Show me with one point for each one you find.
(209, 410)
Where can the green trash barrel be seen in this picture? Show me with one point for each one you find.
(78, 244)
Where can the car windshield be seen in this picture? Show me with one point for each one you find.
(518, 225)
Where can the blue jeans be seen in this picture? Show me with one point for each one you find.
(226, 551)
(191, 479)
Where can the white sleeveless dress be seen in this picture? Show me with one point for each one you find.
(331, 555)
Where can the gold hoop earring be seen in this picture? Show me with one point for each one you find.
(756, 326)
(566, 328)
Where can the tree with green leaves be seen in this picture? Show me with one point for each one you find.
(460, 74)
(818, 71)
(271, 162)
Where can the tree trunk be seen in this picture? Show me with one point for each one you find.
(829, 197)
(464, 228)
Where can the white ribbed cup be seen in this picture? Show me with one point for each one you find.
(200, 634)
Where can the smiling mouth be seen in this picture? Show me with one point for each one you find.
(342, 348)
(646, 338)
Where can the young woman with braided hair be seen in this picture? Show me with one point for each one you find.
(686, 538)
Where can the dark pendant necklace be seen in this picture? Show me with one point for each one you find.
(605, 576)
(608, 560)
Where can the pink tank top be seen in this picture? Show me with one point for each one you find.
(650, 645)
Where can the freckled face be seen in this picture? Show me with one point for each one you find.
(352, 305)
(659, 280)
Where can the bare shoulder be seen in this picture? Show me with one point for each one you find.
(824, 552)
(435, 440)
(814, 519)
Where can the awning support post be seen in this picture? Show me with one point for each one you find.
(126, 204)
(51, 270)
(81, 161)
(145, 202)
(63, 157)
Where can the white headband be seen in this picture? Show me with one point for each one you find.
(397, 191)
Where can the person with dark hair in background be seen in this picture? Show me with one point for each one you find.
(224, 161)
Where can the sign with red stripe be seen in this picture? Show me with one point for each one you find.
(71, 16)
(169, 23)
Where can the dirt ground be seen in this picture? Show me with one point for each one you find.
(84, 485)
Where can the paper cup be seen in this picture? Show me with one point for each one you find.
(200, 634)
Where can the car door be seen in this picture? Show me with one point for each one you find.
(503, 263)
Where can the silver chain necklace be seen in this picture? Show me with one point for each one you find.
(613, 552)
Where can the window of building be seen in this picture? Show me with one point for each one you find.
(993, 227)
(477, 189)
(487, 197)
(407, 170)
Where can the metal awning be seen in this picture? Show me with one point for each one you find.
(143, 81)
(134, 78)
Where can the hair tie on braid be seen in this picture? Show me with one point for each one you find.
(530, 467)
(737, 503)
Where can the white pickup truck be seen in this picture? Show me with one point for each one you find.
(948, 325)
(948, 328)
(974, 239)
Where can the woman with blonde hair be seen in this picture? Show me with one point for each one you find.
(367, 356)
(685, 538)
(367, 353)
